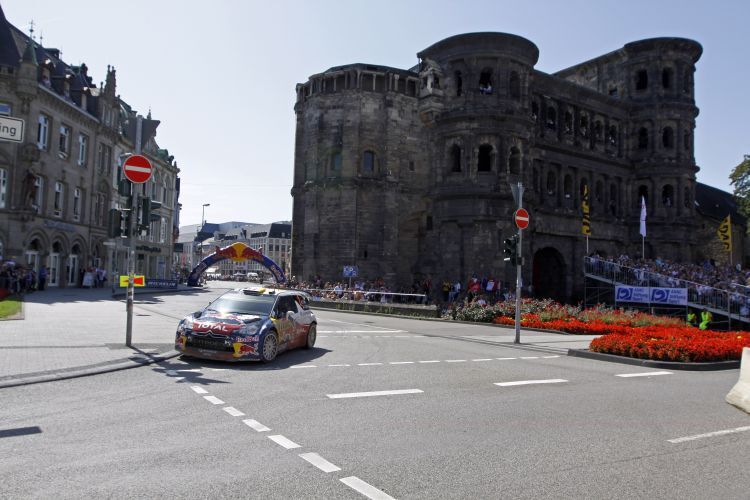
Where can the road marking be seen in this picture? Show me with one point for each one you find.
(369, 364)
(503, 359)
(455, 361)
(199, 390)
(213, 400)
(233, 411)
(171, 373)
(367, 490)
(528, 382)
(430, 361)
(255, 425)
(319, 462)
(401, 363)
(529, 357)
(482, 359)
(340, 365)
(549, 357)
(373, 393)
(282, 441)
(647, 374)
(218, 369)
(709, 434)
(362, 331)
(304, 366)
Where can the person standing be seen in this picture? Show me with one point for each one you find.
(42, 277)
(706, 318)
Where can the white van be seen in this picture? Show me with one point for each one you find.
(253, 276)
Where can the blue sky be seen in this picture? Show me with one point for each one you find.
(221, 75)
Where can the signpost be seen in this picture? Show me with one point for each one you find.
(137, 169)
(139, 280)
(522, 218)
(11, 129)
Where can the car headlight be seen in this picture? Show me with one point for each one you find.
(185, 326)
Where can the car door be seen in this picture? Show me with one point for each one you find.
(285, 313)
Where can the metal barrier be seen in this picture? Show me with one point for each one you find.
(734, 304)
(368, 296)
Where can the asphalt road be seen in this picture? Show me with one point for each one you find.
(437, 426)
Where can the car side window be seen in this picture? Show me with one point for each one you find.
(284, 305)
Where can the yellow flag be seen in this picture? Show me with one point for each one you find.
(725, 233)
(586, 219)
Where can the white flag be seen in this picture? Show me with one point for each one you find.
(643, 216)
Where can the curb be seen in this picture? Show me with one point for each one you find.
(85, 371)
(672, 365)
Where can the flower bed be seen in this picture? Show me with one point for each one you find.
(623, 333)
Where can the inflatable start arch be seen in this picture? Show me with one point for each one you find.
(236, 252)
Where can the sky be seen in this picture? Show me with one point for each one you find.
(221, 74)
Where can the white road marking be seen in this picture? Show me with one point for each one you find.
(455, 361)
(430, 361)
(482, 359)
(213, 400)
(304, 366)
(401, 363)
(529, 357)
(369, 364)
(529, 382)
(647, 374)
(362, 331)
(360, 324)
(340, 365)
(503, 359)
(255, 425)
(282, 441)
(233, 411)
(218, 369)
(709, 434)
(192, 370)
(549, 357)
(373, 393)
(319, 462)
(199, 390)
(367, 490)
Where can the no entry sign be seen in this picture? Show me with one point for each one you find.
(137, 169)
(522, 218)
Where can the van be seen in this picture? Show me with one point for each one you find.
(252, 276)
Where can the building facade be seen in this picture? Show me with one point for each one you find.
(59, 182)
(408, 173)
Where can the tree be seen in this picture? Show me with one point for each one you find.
(740, 179)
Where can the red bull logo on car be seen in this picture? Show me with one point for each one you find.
(236, 252)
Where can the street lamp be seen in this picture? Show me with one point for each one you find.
(203, 213)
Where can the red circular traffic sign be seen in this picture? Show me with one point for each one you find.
(137, 169)
(522, 218)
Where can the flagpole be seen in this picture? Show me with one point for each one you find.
(643, 247)
(731, 263)
(587, 244)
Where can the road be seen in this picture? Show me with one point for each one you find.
(382, 407)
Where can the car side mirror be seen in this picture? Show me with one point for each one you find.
(289, 314)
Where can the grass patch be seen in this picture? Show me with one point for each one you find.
(9, 307)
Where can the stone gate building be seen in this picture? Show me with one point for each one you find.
(407, 173)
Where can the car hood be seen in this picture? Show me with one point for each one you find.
(225, 323)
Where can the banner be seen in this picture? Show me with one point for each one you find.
(586, 219)
(643, 216)
(725, 233)
(651, 295)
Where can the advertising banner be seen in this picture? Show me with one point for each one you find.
(651, 295)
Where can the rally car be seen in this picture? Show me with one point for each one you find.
(247, 324)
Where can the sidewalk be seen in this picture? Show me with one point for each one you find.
(71, 332)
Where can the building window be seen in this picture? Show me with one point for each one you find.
(59, 199)
(583, 126)
(551, 118)
(484, 159)
(515, 86)
(412, 168)
(64, 142)
(163, 230)
(514, 161)
(38, 194)
(77, 204)
(667, 138)
(686, 196)
(612, 135)
(485, 81)
(336, 162)
(3, 187)
(104, 158)
(598, 130)
(667, 196)
(42, 132)
(568, 123)
(551, 183)
(667, 75)
(459, 83)
(643, 138)
(534, 110)
(100, 208)
(613, 202)
(83, 149)
(455, 158)
(368, 162)
(568, 187)
(641, 80)
(5, 109)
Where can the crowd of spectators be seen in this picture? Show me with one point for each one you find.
(365, 290)
(19, 279)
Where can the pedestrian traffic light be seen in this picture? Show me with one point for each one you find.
(510, 249)
(114, 223)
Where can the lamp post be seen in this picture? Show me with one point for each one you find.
(203, 214)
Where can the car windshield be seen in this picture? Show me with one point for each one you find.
(253, 304)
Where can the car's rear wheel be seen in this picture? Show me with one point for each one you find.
(312, 334)
(270, 347)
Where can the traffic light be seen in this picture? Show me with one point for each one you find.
(148, 206)
(510, 249)
(114, 223)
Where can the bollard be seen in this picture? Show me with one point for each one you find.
(739, 396)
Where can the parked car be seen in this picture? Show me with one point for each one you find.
(247, 324)
(254, 277)
(239, 277)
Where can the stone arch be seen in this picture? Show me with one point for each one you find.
(40, 237)
(485, 155)
(548, 275)
(236, 251)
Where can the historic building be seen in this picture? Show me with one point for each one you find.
(408, 173)
(59, 181)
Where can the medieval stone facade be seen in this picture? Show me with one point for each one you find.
(408, 173)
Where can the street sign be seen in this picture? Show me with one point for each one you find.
(351, 271)
(522, 218)
(139, 280)
(137, 169)
(11, 129)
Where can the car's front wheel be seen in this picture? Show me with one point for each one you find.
(312, 334)
(270, 347)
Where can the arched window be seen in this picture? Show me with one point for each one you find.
(686, 197)
(551, 118)
(515, 86)
(598, 130)
(667, 138)
(667, 196)
(568, 187)
(667, 75)
(568, 123)
(642, 193)
(485, 81)
(686, 140)
(368, 162)
(612, 135)
(459, 83)
(514, 161)
(534, 110)
(484, 159)
(581, 188)
(599, 192)
(551, 183)
(455, 158)
(643, 138)
(583, 126)
(641, 80)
